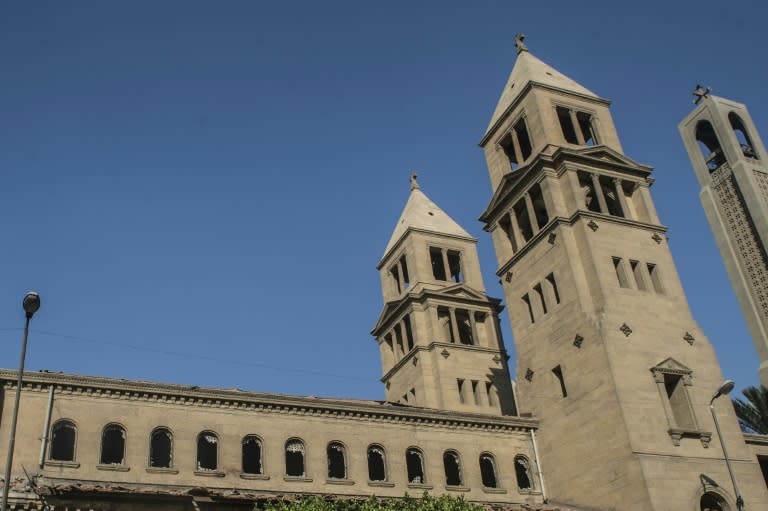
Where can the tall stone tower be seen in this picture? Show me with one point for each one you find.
(730, 163)
(608, 354)
(439, 333)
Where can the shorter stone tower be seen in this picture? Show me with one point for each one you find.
(439, 335)
(730, 163)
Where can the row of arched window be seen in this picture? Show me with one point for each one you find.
(113, 436)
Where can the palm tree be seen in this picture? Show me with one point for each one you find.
(753, 413)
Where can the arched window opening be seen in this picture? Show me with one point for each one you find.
(488, 471)
(251, 455)
(294, 458)
(711, 501)
(741, 135)
(161, 448)
(452, 467)
(112, 445)
(414, 462)
(709, 145)
(63, 436)
(523, 473)
(207, 451)
(376, 464)
(337, 464)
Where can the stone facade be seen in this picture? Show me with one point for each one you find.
(609, 357)
(614, 376)
(729, 159)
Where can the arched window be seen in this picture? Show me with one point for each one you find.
(414, 461)
(742, 136)
(377, 466)
(711, 501)
(252, 455)
(488, 471)
(112, 445)
(523, 473)
(337, 462)
(63, 437)
(709, 145)
(294, 458)
(161, 448)
(452, 467)
(207, 451)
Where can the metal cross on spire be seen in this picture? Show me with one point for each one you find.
(414, 183)
(700, 93)
(519, 44)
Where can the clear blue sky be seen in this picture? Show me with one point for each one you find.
(200, 191)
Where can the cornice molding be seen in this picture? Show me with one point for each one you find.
(234, 399)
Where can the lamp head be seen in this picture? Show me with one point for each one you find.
(724, 389)
(31, 303)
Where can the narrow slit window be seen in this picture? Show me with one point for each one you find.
(566, 124)
(527, 301)
(404, 267)
(395, 273)
(610, 193)
(553, 285)
(454, 265)
(476, 391)
(679, 401)
(509, 150)
(414, 461)
(523, 473)
(63, 437)
(488, 471)
(377, 468)
(294, 458)
(591, 201)
(523, 220)
(558, 372)
(505, 223)
(161, 448)
(112, 445)
(207, 451)
(539, 206)
(408, 331)
(637, 271)
(337, 463)
(465, 327)
(251, 454)
(444, 318)
(399, 341)
(438, 266)
(523, 139)
(460, 385)
(452, 467)
(540, 293)
(653, 271)
(492, 393)
(621, 274)
(587, 128)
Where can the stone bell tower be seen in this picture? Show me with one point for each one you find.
(609, 357)
(730, 163)
(439, 333)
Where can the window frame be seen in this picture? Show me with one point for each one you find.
(261, 456)
(152, 433)
(344, 457)
(124, 432)
(49, 459)
(383, 461)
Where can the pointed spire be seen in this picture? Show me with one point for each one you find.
(527, 69)
(423, 214)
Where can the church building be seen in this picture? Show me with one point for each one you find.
(609, 410)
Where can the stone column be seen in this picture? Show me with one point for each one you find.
(519, 241)
(454, 326)
(531, 214)
(622, 198)
(576, 127)
(598, 191)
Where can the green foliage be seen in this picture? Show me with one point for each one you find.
(407, 503)
(753, 413)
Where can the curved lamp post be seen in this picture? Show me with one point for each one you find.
(31, 304)
(724, 390)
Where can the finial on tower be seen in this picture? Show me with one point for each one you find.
(414, 183)
(519, 44)
(700, 93)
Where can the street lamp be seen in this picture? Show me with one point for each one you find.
(31, 304)
(724, 390)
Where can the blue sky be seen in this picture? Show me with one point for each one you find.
(200, 191)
